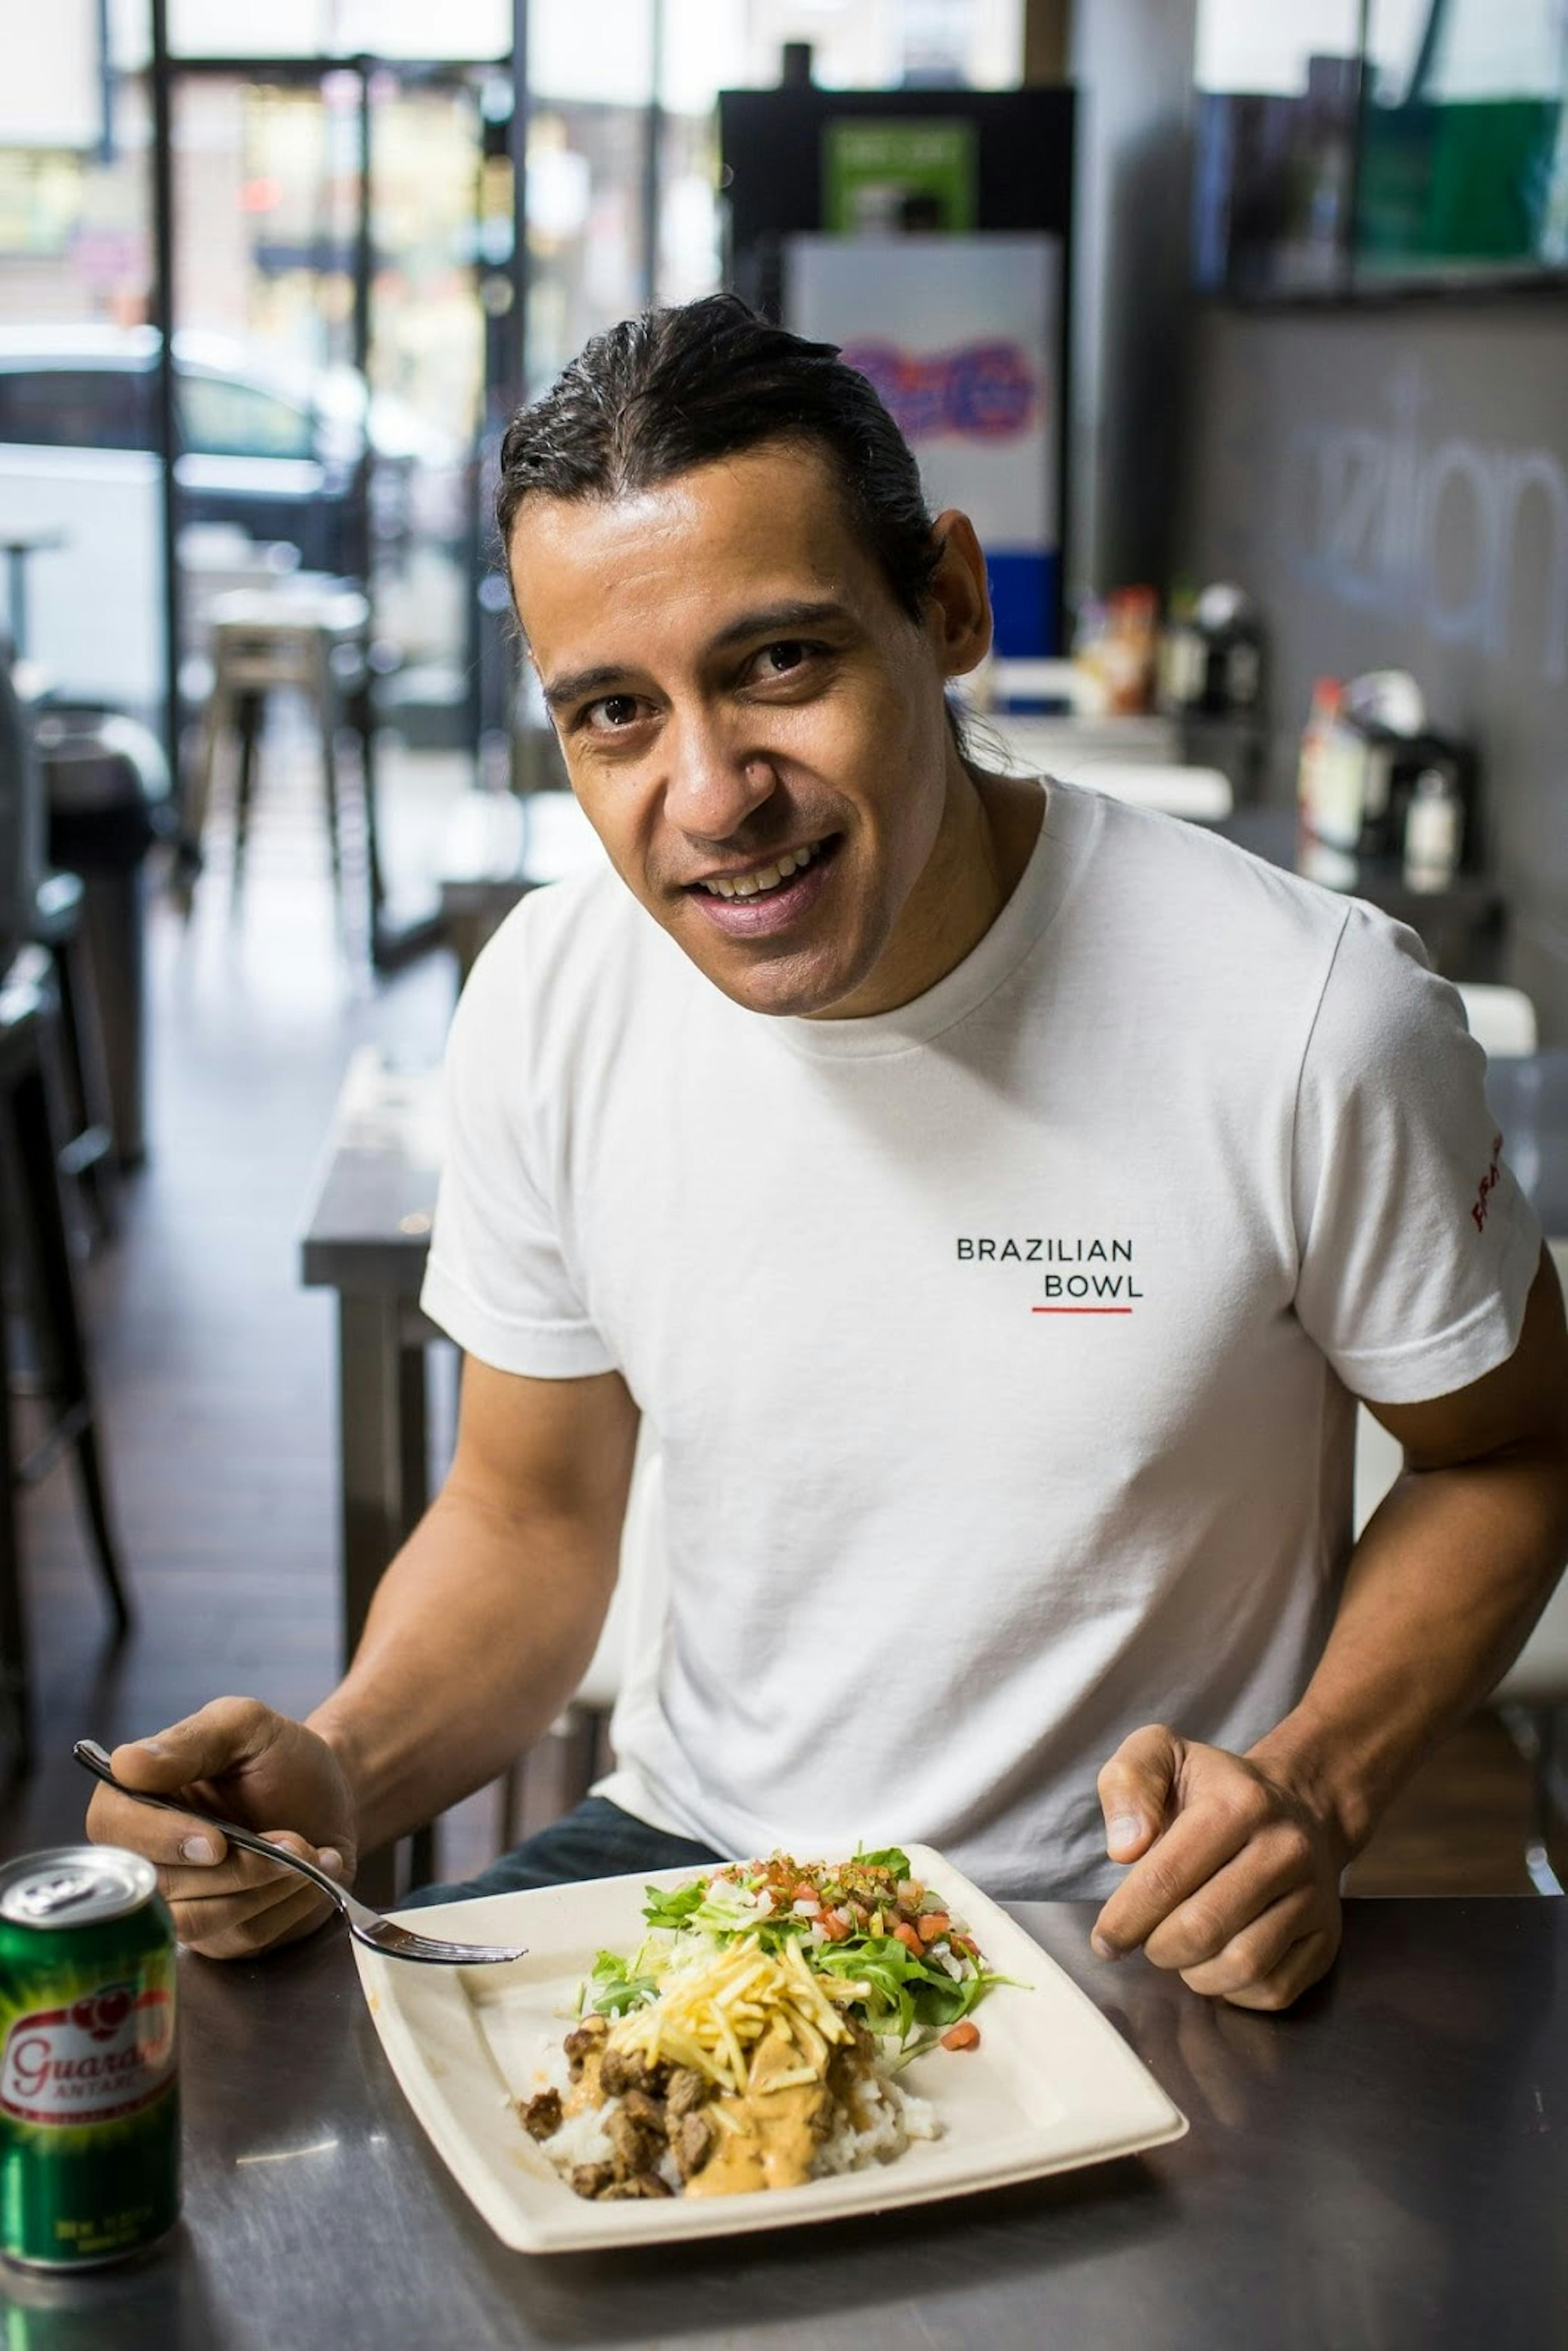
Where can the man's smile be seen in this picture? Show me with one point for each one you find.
(758, 901)
(750, 881)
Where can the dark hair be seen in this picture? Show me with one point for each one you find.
(674, 388)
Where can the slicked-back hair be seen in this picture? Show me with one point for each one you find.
(679, 387)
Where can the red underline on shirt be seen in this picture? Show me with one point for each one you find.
(1079, 1310)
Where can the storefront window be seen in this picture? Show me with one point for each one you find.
(1243, 49)
(1440, 151)
(77, 471)
(1465, 156)
(458, 30)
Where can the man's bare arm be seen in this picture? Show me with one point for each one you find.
(479, 1631)
(1236, 1882)
(484, 1623)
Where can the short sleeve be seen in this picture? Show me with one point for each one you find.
(1417, 1246)
(496, 1279)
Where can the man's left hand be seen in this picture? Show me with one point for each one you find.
(1235, 1880)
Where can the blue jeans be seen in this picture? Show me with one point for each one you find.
(597, 1840)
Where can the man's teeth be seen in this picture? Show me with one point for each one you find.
(767, 877)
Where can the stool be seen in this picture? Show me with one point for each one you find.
(88, 1155)
(30, 1165)
(294, 636)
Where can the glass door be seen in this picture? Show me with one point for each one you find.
(330, 346)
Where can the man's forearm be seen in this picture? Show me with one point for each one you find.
(479, 1631)
(1445, 1584)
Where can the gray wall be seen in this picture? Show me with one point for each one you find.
(1392, 486)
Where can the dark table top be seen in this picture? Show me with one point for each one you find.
(370, 1220)
(1387, 2167)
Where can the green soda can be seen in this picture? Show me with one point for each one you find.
(89, 2098)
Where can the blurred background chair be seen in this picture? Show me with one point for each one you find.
(43, 1349)
(46, 908)
(108, 792)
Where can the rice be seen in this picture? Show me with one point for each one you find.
(886, 2118)
(875, 2124)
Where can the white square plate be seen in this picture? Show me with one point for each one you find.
(1051, 2085)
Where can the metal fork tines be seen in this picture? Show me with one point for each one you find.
(395, 1942)
(367, 1926)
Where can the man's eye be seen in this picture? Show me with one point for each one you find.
(614, 712)
(788, 654)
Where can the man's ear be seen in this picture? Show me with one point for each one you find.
(959, 598)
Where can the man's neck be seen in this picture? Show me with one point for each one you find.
(989, 828)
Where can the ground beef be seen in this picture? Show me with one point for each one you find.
(585, 2036)
(541, 2115)
(691, 2142)
(649, 2112)
(683, 2091)
(624, 2070)
(636, 2148)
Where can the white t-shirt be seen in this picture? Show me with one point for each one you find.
(1000, 1349)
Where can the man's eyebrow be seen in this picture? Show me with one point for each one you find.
(773, 620)
(767, 619)
(572, 685)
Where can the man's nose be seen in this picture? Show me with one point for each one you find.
(714, 782)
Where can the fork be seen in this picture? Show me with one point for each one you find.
(366, 1926)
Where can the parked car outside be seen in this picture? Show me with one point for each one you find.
(272, 453)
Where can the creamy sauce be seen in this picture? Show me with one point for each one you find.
(773, 2143)
(586, 2091)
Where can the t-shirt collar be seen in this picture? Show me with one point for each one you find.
(1066, 829)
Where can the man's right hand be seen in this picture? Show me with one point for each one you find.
(239, 1758)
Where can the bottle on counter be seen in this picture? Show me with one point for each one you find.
(1330, 784)
(1117, 645)
(1434, 831)
(1179, 675)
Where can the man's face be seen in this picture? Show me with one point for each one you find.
(752, 727)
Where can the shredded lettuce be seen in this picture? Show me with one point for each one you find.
(910, 1997)
(891, 1859)
(672, 1905)
(905, 1993)
(618, 1985)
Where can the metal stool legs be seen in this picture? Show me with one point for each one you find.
(87, 1154)
(295, 640)
(249, 709)
(15, 1685)
(38, 1221)
(1543, 1808)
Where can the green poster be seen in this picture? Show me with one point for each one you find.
(891, 178)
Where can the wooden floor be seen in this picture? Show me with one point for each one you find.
(215, 1373)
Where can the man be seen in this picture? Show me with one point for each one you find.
(993, 1197)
